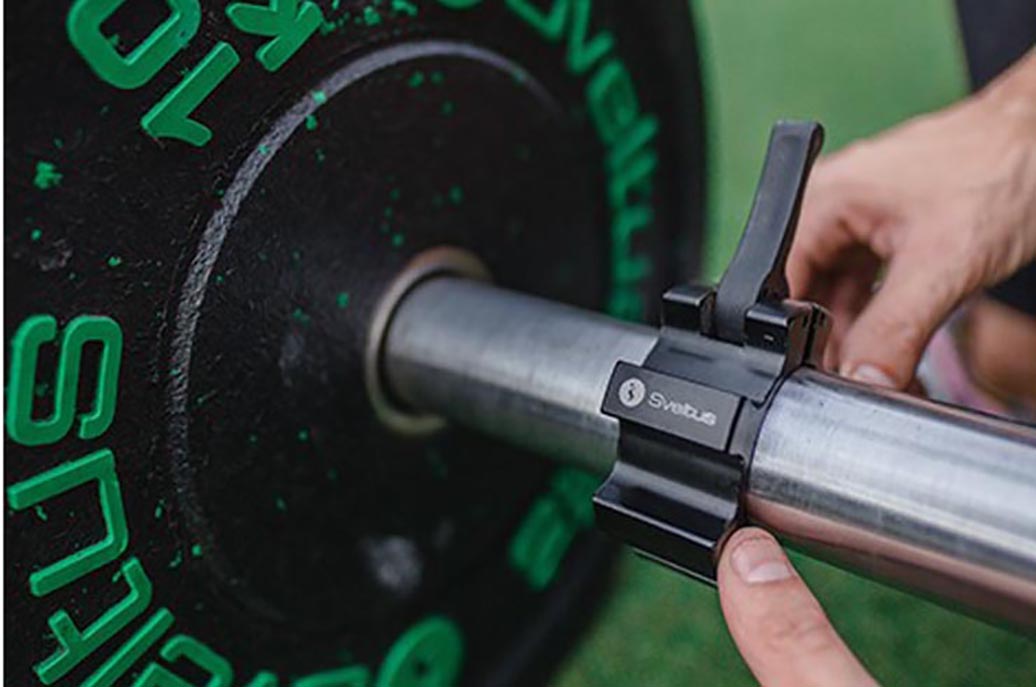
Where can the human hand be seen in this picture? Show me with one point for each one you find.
(777, 624)
(945, 204)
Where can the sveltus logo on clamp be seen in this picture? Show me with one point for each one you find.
(632, 392)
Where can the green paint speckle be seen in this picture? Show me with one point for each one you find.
(320, 155)
(394, 194)
(196, 550)
(40, 513)
(47, 175)
(416, 79)
(319, 97)
(448, 108)
(456, 195)
(437, 78)
(397, 240)
(204, 398)
(371, 16)
(404, 7)
(177, 560)
(220, 279)
(311, 122)
(58, 143)
(114, 261)
(159, 509)
(300, 315)
(263, 149)
(35, 235)
(41, 389)
(342, 299)
(303, 435)
(280, 504)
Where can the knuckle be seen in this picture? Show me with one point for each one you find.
(971, 256)
(985, 258)
(806, 630)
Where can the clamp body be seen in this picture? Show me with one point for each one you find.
(690, 414)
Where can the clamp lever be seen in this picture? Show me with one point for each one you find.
(690, 414)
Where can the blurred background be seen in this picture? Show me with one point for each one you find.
(858, 67)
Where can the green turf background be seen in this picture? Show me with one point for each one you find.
(858, 67)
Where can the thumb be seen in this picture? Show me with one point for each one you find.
(779, 627)
(885, 343)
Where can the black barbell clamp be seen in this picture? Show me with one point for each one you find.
(689, 415)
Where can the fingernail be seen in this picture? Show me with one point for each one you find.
(869, 374)
(758, 561)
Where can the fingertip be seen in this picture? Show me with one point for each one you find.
(777, 624)
(746, 537)
(869, 374)
(885, 344)
(882, 354)
(734, 593)
(883, 347)
(758, 559)
(748, 532)
(751, 557)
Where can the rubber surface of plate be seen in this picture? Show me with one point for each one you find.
(203, 207)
